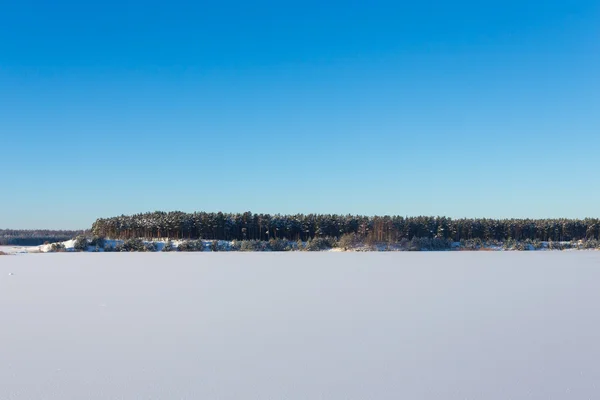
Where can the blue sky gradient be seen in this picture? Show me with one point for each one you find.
(461, 109)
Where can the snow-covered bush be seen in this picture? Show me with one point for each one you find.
(223, 246)
(133, 245)
(97, 241)
(537, 244)
(278, 244)
(318, 244)
(509, 244)
(190, 245)
(151, 246)
(591, 244)
(253, 245)
(429, 244)
(415, 244)
(57, 248)
(471, 244)
(168, 246)
(403, 244)
(349, 241)
(437, 244)
(81, 243)
(528, 245)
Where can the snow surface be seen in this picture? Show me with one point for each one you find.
(450, 325)
(19, 249)
(69, 246)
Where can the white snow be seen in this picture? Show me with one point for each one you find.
(19, 249)
(329, 325)
(69, 246)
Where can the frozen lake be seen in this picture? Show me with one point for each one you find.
(451, 325)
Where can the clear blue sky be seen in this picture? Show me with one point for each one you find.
(457, 108)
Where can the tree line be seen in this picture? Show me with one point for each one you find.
(34, 237)
(390, 229)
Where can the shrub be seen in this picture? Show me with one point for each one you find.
(222, 245)
(253, 245)
(349, 241)
(278, 244)
(57, 248)
(133, 245)
(246, 245)
(404, 244)
(521, 246)
(190, 245)
(168, 246)
(471, 244)
(97, 241)
(151, 246)
(438, 244)
(318, 244)
(425, 244)
(525, 245)
(557, 245)
(415, 244)
(428, 244)
(509, 244)
(81, 243)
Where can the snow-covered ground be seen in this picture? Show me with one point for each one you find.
(69, 246)
(19, 249)
(449, 325)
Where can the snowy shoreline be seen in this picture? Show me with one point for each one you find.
(158, 245)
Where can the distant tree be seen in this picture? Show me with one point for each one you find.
(35, 237)
(97, 241)
(134, 244)
(81, 243)
(377, 229)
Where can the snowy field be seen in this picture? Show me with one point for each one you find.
(19, 249)
(450, 325)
